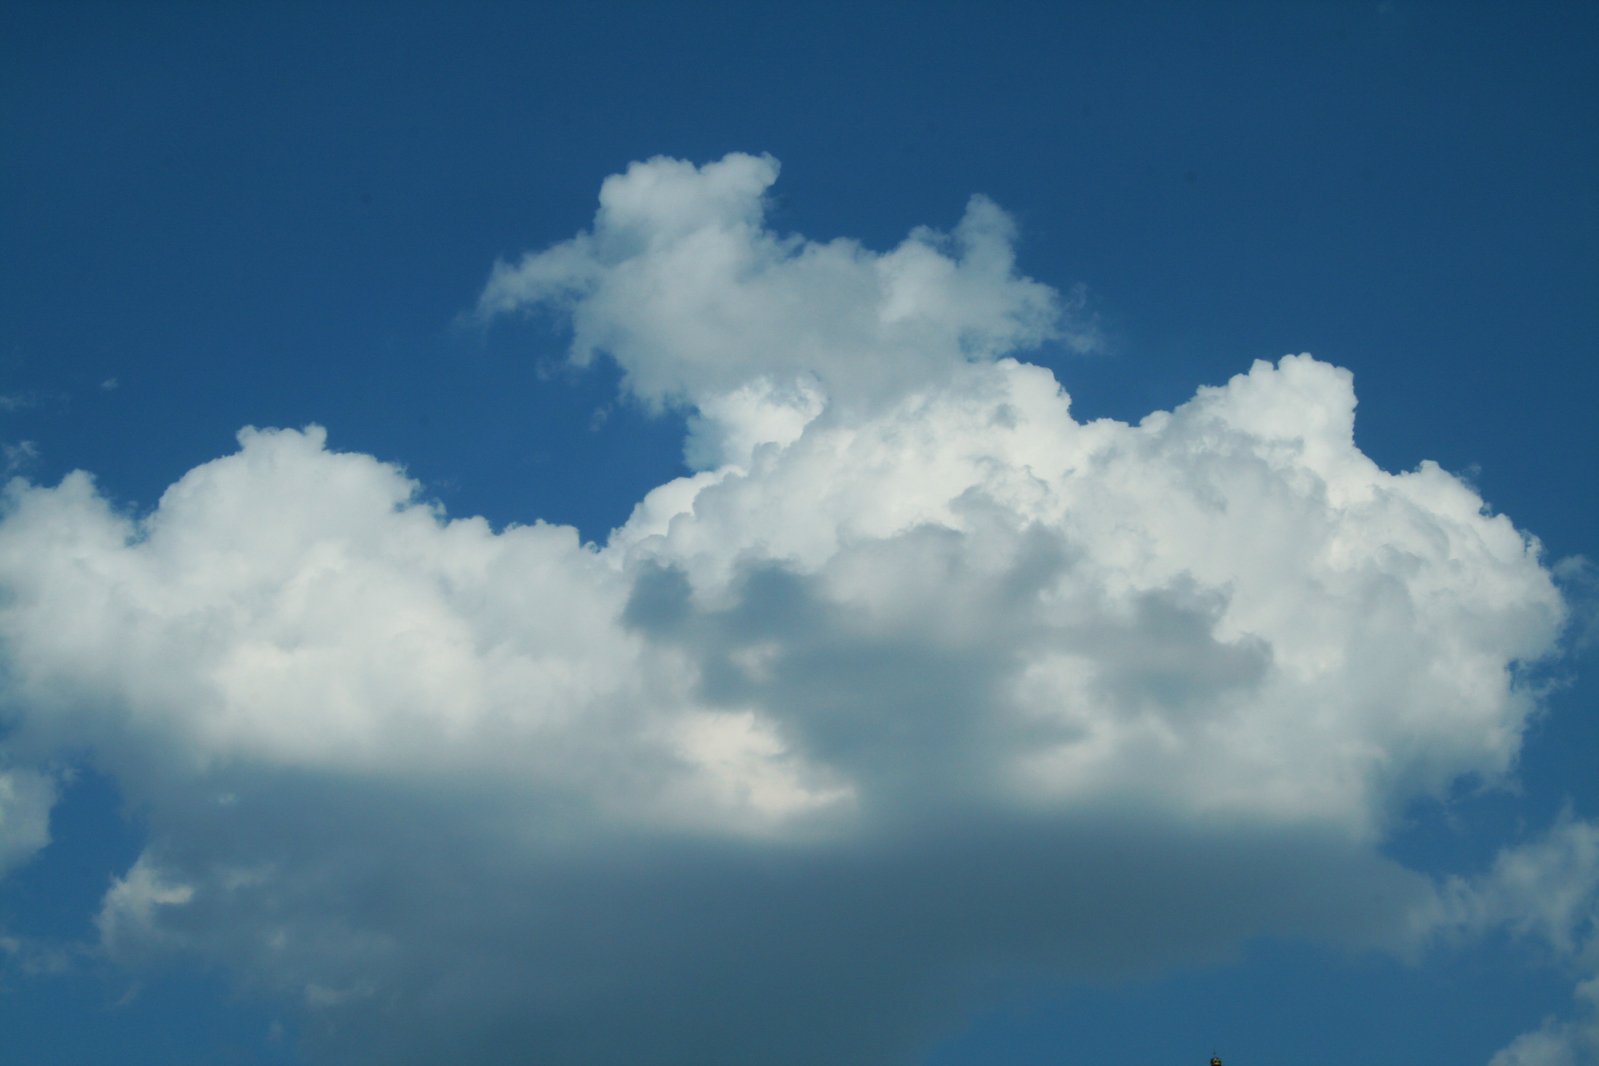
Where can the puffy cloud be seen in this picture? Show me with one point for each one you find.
(917, 680)
(682, 285)
(1226, 606)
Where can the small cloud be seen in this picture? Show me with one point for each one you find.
(133, 906)
(1578, 578)
(109, 385)
(31, 399)
(31, 957)
(14, 458)
(1081, 328)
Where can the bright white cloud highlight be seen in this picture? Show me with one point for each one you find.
(917, 672)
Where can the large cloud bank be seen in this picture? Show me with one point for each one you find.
(916, 682)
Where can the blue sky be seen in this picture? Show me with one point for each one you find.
(912, 716)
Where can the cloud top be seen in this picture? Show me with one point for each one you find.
(682, 284)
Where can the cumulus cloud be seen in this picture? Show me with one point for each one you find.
(680, 282)
(916, 681)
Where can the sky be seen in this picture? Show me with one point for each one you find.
(902, 534)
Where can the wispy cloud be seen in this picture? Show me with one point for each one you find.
(26, 797)
(17, 456)
(1545, 890)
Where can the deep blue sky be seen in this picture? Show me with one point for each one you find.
(214, 216)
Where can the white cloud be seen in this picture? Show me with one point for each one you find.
(680, 282)
(917, 677)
